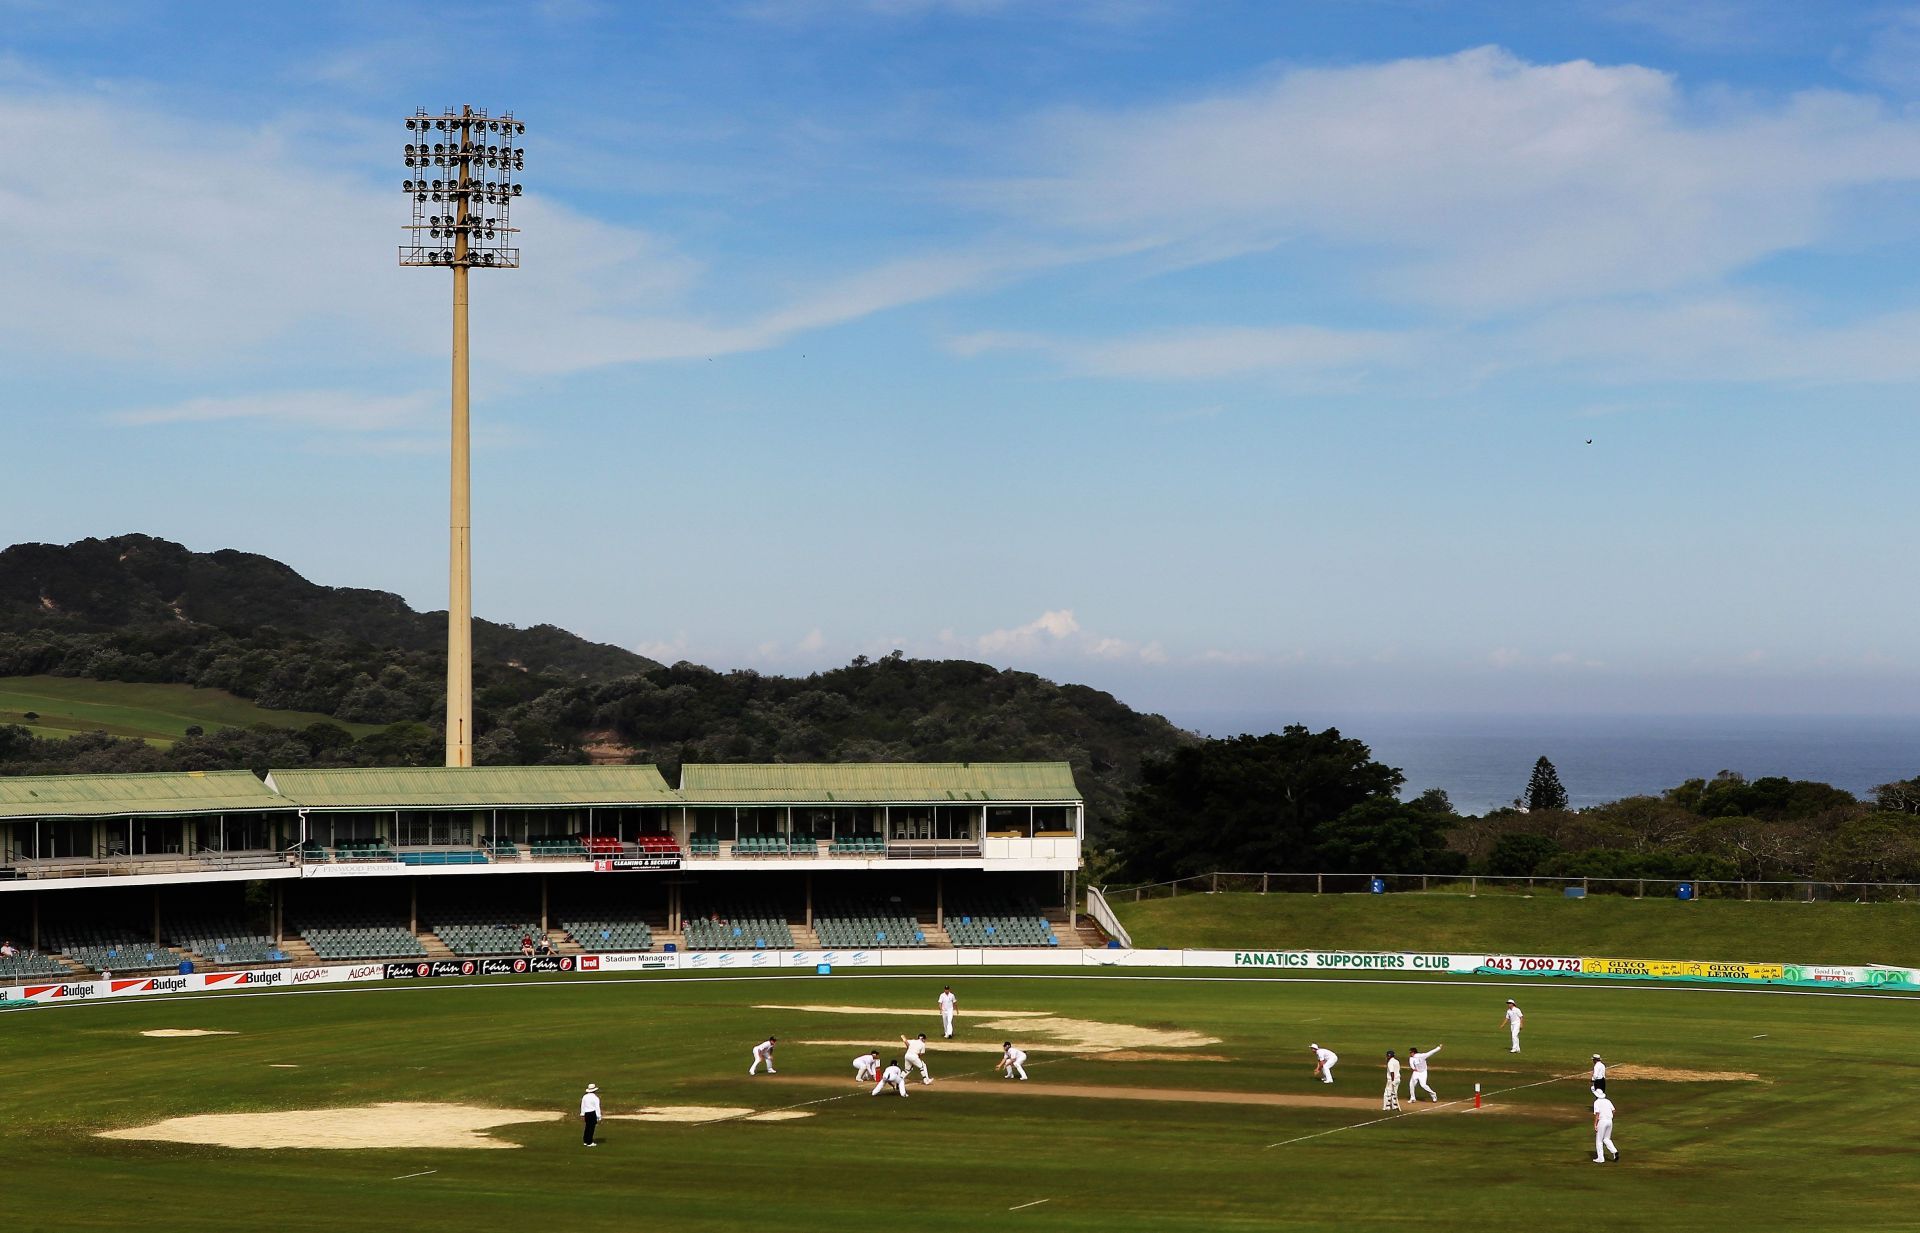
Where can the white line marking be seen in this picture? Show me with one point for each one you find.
(404, 1176)
(985, 974)
(1761, 1036)
(1024, 1206)
(1410, 1112)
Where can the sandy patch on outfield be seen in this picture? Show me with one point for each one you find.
(696, 1114)
(1070, 1035)
(172, 1032)
(283, 1065)
(1669, 1074)
(388, 1125)
(928, 1013)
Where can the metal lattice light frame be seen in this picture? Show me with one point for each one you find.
(467, 162)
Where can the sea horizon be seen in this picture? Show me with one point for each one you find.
(1483, 760)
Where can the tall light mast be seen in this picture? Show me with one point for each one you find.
(468, 162)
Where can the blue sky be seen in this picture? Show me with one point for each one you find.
(1234, 357)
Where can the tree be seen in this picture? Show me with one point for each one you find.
(1519, 856)
(1543, 789)
(1249, 802)
(1382, 835)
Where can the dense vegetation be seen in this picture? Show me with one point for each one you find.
(142, 610)
(1307, 802)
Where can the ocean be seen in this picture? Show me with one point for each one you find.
(1483, 761)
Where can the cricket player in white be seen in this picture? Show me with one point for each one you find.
(917, 1055)
(866, 1067)
(947, 1003)
(1390, 1099)
(763, 1052)
(1513, 1021)
(1603, 1129)
(1323, 1060)
(1598, 1085)
(1013, 1060)
(1417, 1073)
(894, 1075)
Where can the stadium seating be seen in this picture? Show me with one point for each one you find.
(1000, 924)
(556, 846)
(351, 936)
(771, 845)
(314, 853)
(107, 948)
(703, 845)
(867, 925)
(503, 850)
(363, 850)
(223, 940)
(739, 927)
(481, 931)
(602, 845)
(656, 842)
(30, 964)
(609, 931)
(858, 845)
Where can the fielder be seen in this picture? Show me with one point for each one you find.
(1417, 1074)
(1391, 1098)
(866, 1067)
(917, 1055)
(1599, 1085)
(1513, 1021)
(1323, 1060)
(1603, 1130)
(894, 1075)
(1012, 1060)
(763, 1052)
(947, 1003)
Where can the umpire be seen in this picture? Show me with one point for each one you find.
(589, 1114)
(1599, 1076)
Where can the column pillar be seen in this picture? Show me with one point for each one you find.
(809, 881)
(35, 940)
(156, 916)
(543, 903)
(940, 898)
(413, 905)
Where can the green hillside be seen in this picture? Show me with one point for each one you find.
(1852, 933)
(160, 714)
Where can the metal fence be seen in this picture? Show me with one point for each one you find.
(1787, 890)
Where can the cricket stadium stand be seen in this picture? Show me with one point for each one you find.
(227, 869)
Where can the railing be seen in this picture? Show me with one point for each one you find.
(1103, 916)
(918, 851)
(1793, 889)
(34, 869)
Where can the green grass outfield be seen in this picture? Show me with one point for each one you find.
(1612, 925)
(1822, 1140)
(160, 714)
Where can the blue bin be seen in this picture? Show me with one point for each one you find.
(669, 948)
(1685, 891)
(1379, 886)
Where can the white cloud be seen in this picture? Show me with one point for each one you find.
(1477, 181)
(333, 409)
(1228, 351)
(1047, 629)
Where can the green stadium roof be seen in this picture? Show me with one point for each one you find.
(480, 787)
(865, 783)
(165, 793)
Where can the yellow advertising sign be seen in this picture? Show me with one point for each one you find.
(1684, 968)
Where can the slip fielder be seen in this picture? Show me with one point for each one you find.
(1323, 1061)
(763, 1052)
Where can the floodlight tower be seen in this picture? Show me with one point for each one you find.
(462, 206)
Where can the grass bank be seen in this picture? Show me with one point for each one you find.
(1597, 925)
(62, 706)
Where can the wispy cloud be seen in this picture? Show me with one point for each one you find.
(330, 409)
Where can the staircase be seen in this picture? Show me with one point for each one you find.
(298, 952)
(937, 937)
(1088, 935)
(805, 937)
(563, 943)
(435, 948)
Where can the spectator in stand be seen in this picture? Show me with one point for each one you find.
(526, 944)
(6, 949)
(544, 946)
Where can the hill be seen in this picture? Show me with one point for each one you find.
(59, 706)
(1829, 932)
(133, 582)
(133, 613)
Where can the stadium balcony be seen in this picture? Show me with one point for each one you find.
(449, 856)
(556, 846)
